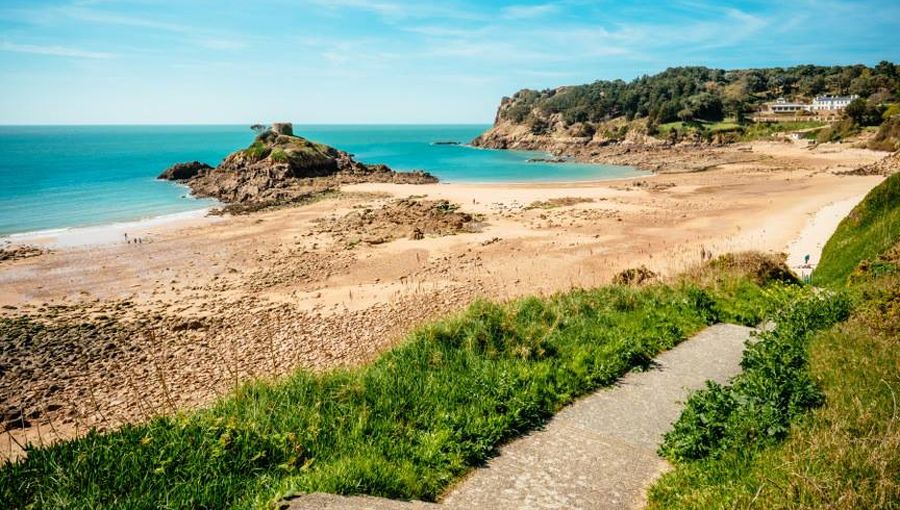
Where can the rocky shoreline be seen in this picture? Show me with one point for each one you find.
(19, 252)
(634, 149)
(642, 151)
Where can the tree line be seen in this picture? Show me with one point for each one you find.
(699, 93)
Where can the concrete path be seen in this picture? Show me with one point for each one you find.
(598, 453)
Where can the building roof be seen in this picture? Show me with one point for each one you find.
(836, 98)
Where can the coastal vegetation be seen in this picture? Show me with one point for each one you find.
(871, 228)
(811, 421)
(699, 104)
(735, 131)
(698, 93)
(408, 424)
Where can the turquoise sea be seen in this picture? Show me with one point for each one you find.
(55, 177)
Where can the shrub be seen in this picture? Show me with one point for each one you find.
(775, 386)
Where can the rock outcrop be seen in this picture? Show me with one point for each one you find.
(279, 167)
(19, 252)
(550, 133)
(184, 171)
(886, 166)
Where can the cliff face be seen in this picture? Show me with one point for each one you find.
(549, 132)
(279, 167)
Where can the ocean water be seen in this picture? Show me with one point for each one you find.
(55, 177)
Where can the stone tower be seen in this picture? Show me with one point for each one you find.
(283, 128)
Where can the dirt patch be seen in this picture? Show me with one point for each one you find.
(761, 267)
(635, 276)
(406, 217)
(650, 185)
(553, 203)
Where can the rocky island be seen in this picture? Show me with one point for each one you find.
(280, 167)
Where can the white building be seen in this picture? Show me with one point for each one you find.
(820, 104)
(830, 103)
(781, 105)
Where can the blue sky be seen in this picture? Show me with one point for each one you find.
(387, 61)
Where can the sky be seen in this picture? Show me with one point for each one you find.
(387, 61)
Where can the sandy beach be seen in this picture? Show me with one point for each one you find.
(206, 303)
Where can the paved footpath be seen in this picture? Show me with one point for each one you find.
(598, 453)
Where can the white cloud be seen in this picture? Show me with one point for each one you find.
(529, 11)
(108, 18)
(381, 8)
(55, 51)
(396, 11)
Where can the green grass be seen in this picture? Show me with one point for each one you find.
(870, 229)
(812, 421)
(712, 127)
(843, 455)
(406, 425)
(257, 151)
(744, 132)
(763, 130)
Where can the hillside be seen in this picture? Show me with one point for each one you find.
(870, 229)
(811, 422)
(606, 112)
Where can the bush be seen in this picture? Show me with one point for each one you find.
(863, 113)
(838, 131)
(888, 136)
(756, 410)
(845, 455)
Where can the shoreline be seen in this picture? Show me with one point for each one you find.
(108, 233)
(111, 233)
(815, 234)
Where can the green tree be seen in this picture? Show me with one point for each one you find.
(886, 68)
(863, 112)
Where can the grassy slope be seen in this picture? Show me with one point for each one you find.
(871, 228)
(747, 132)
(845, 454)
(404, 426)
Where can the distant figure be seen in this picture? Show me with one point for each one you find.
(126, 236)
(806, 259)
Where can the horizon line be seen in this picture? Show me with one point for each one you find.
(123, 124)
